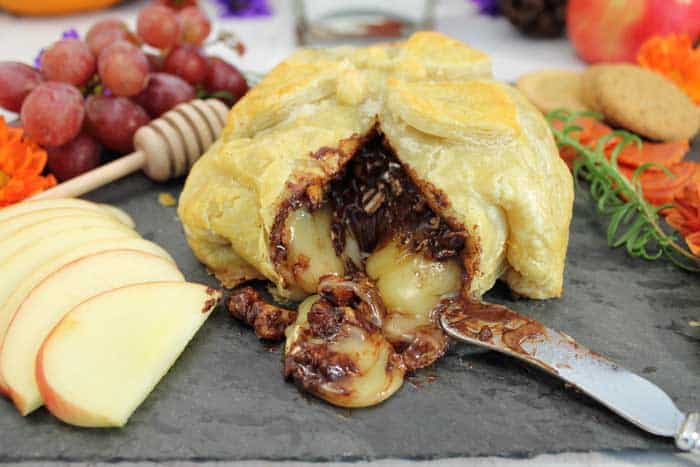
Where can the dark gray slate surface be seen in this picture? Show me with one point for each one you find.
(225, 398)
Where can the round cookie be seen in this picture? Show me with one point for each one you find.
(553, 89)
(641, 101)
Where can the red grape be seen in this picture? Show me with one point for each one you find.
(114, 120)
(123, 68)
(164, 91)
(17, 80)
(195, 25)
(69, 61)
(52, 114)
(225, 78)
(176, 4)
(107, 32)
(188, 63)
(78, 156)
(158, 26)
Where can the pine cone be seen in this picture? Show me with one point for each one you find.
(537, 18)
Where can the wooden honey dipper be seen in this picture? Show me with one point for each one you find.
(166, 148)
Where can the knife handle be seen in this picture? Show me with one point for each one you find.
(688, 436)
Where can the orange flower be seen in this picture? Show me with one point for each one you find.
(693, 241)
(21, 164)
(674, 57)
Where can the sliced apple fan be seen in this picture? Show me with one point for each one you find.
(91, 315)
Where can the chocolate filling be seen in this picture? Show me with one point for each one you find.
(315, 367)
(490, 322)
(268, 321)
(344, 304)
(375, 198)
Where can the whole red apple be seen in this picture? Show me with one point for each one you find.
(613, 30)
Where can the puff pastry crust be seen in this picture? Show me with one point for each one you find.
(481, 154)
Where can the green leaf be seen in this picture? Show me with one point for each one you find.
(648, 165)
(224, 95)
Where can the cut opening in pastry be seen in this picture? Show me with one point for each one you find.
(379, 261)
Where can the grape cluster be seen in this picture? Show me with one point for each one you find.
(95, 93)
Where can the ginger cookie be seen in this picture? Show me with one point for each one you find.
(641, 101)
(553, 89)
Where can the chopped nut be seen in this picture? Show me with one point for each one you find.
(396, 187)
(325, 319)
(373, 204)
(367, 195)
(269, 321)
(315, 194)
(342, 291)
(166, 199)
(428, 345)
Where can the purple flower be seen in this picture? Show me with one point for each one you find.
(67, 34)
(487, 7)
(243, 8)
(70, 34)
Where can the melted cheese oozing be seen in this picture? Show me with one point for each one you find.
(311, 253)
(352, 249)
(410, 285)
(370, 352)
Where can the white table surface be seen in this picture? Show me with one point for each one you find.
(271, 39)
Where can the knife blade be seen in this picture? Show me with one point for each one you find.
(632, 397)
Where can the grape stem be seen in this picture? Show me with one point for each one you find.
(230, 40)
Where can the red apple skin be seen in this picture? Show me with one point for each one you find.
(58, 406)
(613, 30)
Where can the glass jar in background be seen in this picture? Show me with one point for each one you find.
(323, 23)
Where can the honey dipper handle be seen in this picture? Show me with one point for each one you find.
(95, 178)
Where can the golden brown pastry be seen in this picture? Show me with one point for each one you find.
(404, 162)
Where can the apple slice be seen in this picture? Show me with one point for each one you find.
(55, 296)
(120, 215)
(108, 353)
(28, 206)
(22, 221)
(23, 263)
(36, 233)
(26, 284)
(22, 289)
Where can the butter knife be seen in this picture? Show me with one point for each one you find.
(632, 397)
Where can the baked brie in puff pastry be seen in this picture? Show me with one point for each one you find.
(377, 184)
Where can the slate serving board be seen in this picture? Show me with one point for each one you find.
(225, 398)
